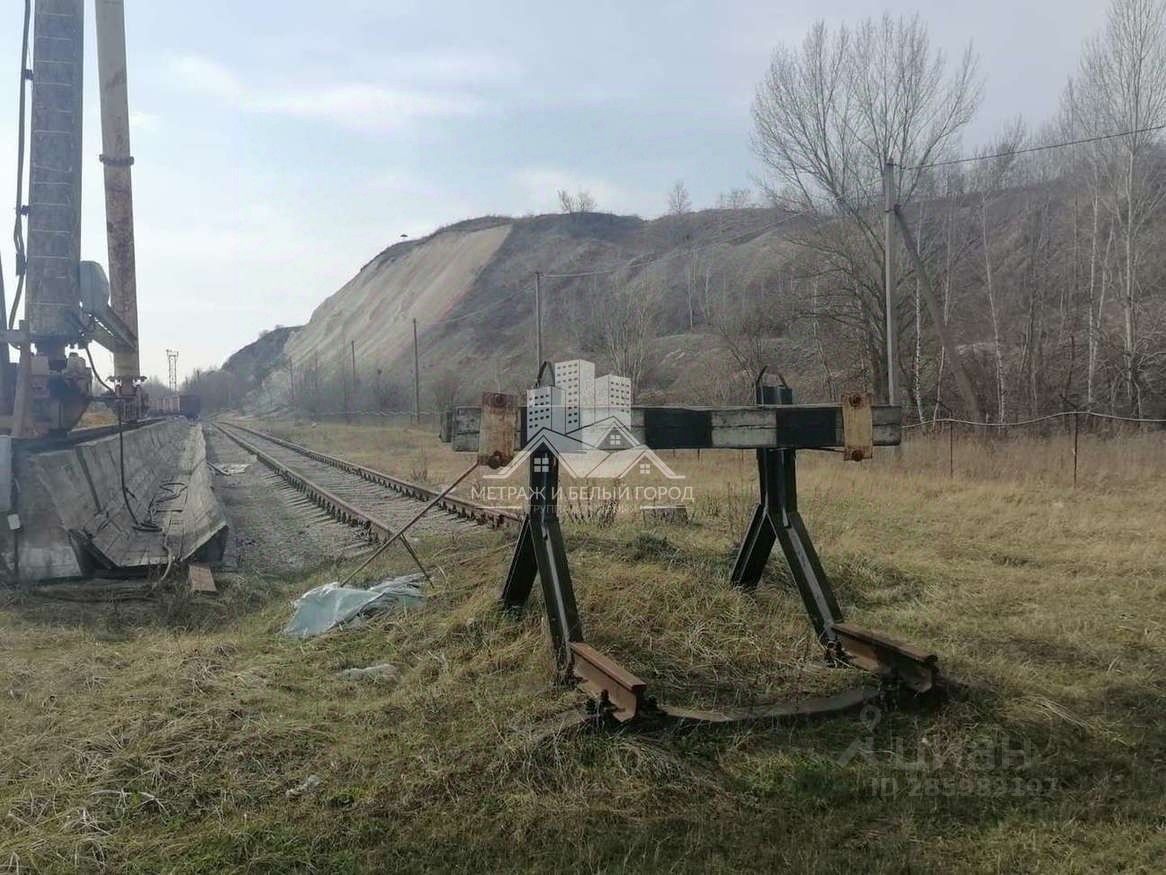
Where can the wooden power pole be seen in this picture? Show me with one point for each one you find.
(416, 377)
(538, 319)
(891, 277)
(962, 381)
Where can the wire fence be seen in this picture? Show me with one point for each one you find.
(1078, 448)
(1064, 446)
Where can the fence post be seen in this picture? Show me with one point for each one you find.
(951, 448)
(1076, 431)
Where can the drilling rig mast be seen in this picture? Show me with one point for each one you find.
(67, 301)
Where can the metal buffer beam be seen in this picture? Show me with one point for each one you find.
(793, 426)
(776, 429)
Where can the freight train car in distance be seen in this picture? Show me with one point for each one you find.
(186, 404)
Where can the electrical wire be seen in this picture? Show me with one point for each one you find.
(93, 368)
(1011, 152)
(148, 525)
(1023, 422)
(478, 312)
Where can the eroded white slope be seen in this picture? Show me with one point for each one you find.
(376, 308)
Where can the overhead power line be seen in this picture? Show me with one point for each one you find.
(1028, 149)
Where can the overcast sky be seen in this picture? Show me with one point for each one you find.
(279, 146)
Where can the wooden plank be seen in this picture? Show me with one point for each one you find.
(743, 427)
(857, 427)
(498, 439)
(667, 426)
(201, 579)
(810, 426)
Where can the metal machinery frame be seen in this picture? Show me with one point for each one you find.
(70, 302)
(776, 428)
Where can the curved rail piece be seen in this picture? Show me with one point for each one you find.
(620, 698)
(456, 506)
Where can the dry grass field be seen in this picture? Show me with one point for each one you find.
(173, 736)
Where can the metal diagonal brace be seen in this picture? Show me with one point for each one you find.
(776, 519)
(540, 552)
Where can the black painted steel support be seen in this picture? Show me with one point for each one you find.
(541, 552)
(777, 520)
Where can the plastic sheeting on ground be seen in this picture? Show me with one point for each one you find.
(331, 606)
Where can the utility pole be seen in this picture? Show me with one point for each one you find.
(172, 359)
(891, 277)
(538, 319)
(963, 382)
(416, 378)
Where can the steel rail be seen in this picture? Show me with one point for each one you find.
(336, 506)
(459, 507)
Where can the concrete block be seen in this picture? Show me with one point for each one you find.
(76, 517)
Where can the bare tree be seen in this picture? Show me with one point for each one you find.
(627, 317)
(735, 199)
(831, 112)
(1123, 85)
(580, 202)
(991, 177)
(679, 203)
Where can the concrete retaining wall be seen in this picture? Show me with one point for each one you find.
(74, 517)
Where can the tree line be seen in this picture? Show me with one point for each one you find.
(1045, 250)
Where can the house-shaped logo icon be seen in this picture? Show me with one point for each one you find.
(586, 424)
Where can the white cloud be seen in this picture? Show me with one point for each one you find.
(356, 105)
(455, 67)
(204, 76)
(364, 106)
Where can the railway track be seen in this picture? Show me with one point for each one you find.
(360, 496)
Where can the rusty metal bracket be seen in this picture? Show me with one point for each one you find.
(617, 692)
